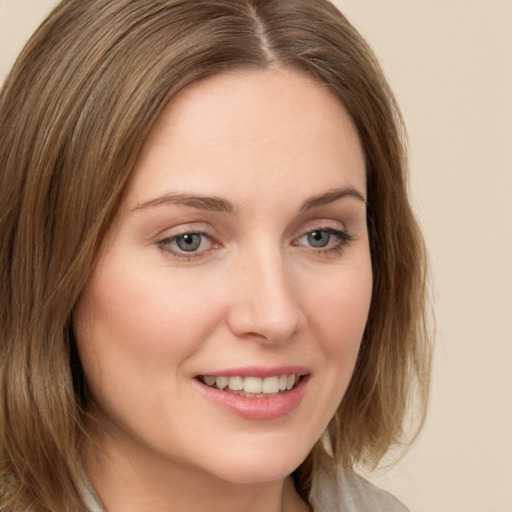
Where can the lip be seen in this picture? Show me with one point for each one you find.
(252, 408)
(258, 371)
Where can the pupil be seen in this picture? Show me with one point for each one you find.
(319, 238)
(189, 242)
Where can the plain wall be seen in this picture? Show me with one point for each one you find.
(450, 64)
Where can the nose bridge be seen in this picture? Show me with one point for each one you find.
(267, 304)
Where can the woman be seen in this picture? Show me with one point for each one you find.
(213, 282)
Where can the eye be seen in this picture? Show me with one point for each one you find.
(186, 244)
(326, 239)
(318, 238)
(189, 242)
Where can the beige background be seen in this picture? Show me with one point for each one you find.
(450, 63)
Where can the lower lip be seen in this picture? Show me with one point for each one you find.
(265, 408)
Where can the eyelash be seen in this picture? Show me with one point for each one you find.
(166, 245)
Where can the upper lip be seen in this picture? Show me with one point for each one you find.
(258, 371)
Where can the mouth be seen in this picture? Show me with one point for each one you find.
(253, 386)
(256, 393)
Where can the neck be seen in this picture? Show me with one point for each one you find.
(131, 480)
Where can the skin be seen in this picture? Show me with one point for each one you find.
(256, 292)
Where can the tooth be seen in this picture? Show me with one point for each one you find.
(253, 384)
(290, 382)
(236, 383)
(221, 382)
(270, 385)
(283, 380)
(209, 381)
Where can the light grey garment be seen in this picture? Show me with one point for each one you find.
(90, 497)
(347, 492)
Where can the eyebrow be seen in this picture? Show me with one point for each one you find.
(217, 204)
(213, 204)
(331, 196)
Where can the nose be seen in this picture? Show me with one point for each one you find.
(265, 305)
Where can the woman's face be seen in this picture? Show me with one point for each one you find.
(238, 267)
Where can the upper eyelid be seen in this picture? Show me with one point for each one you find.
(174, 236)
(321, 224)
(184, 229)
(342, 234)
(206, 229)
(203, 225)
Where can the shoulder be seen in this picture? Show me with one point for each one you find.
(348, 492)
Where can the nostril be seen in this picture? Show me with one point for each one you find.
(266, 324)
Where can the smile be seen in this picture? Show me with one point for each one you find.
(256, 393)
(252, 387)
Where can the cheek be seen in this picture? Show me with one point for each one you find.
(338, 316)
(340, 311)
(131, 324)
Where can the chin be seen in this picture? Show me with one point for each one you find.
(267, 464)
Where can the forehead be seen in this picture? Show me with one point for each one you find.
(276, 95)
(256, 126)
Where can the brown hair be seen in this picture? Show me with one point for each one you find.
(74, 113)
